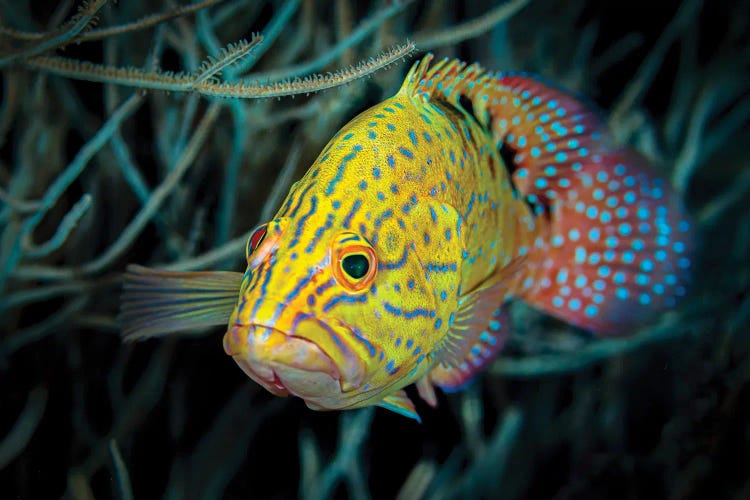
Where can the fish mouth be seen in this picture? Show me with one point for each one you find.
(286, 364)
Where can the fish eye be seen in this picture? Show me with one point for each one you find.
(353, 262)
(355, 265)
(255, 240)
(355, 268)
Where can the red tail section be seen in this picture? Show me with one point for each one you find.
(617, 242)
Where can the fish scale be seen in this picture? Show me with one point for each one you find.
(460, 193)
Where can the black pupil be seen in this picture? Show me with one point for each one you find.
(355, 265)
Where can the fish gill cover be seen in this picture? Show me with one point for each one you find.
(162, 134)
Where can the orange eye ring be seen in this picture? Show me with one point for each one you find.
(355, 267)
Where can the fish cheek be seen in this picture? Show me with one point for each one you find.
(440, 258)
(420, 279)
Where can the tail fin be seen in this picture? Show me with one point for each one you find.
(156, 303)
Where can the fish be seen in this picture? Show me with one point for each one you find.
(394, 259)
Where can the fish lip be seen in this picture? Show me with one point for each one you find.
(352, 371)
(353, 368)
(262, 370)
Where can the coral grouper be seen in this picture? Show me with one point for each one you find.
(391, 261)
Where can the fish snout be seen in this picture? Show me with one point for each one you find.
(283, 364)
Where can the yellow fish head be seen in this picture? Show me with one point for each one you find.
(339, 306)
(280, 333)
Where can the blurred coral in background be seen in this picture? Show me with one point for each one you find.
(145, 132)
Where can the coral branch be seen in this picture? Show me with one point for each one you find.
(18, 437)
(364, 29)
(62, 182)
(472, 28)
(201, 83)
(145, 22)
(66, 34)
(121, 472)
(309, 84)
(68, 223)
(229, 55)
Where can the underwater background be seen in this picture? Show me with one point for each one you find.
(98, 174)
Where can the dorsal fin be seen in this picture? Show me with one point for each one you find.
(442, 81)
(424, 80)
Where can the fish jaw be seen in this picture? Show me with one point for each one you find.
(282, 364)
(317, 363)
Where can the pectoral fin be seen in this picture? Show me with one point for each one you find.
(400, 403)
(155, 303)
(476, 337)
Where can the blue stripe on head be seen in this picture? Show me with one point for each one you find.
(303, 219)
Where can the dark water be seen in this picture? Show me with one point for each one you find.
(661, 414)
